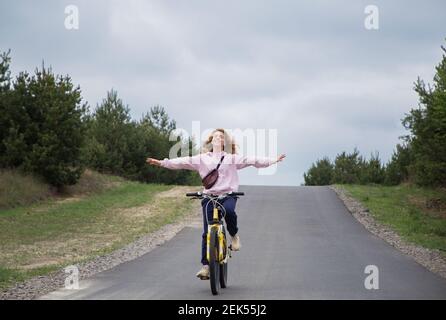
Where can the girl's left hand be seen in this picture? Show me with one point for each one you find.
(281, 157)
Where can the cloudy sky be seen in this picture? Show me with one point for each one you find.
(309, 69)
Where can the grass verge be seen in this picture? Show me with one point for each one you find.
(45, 236)
(417, 214)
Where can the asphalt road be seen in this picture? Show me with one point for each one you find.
(297, 243)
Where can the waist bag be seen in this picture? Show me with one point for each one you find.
(211, 178)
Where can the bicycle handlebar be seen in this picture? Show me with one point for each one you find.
(200, 194)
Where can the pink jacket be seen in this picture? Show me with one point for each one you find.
(227, 173)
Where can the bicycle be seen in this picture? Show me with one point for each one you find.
(218, 252)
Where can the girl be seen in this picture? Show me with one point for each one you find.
(218, 144)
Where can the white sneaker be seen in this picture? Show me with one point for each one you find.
(235, 243)
(203, 274)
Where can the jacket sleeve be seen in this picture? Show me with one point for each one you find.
(188, 163)
(258, 162)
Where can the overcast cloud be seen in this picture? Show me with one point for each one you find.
(309, 69)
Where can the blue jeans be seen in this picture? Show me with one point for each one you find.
(230, 218)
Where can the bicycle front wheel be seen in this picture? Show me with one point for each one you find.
(223, 275)
(214, 265)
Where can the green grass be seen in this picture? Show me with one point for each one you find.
(40, 238)
(18, 189)
(404, 209)
(9, 277)
(54, 218)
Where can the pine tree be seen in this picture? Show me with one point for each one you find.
(397, 169)
(45, 128)
(109, 134)
(427, 126)
(347, 167)
(372, 171)
(5, 101)
(320, 174)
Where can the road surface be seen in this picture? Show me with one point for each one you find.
(297, 243)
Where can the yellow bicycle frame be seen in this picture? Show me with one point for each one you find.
(221, 238)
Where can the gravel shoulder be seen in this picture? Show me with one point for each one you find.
(433, 260)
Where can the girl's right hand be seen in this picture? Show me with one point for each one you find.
(153, 162)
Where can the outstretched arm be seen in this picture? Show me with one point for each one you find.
(188, 163)
(153, 162)
(258, 162)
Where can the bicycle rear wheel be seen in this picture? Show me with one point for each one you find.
(214, 265)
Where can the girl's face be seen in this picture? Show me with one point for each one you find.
(218, 139)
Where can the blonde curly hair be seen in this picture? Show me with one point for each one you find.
(229, 146)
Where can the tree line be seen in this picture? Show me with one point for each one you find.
(47, 129)
(420, 158)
